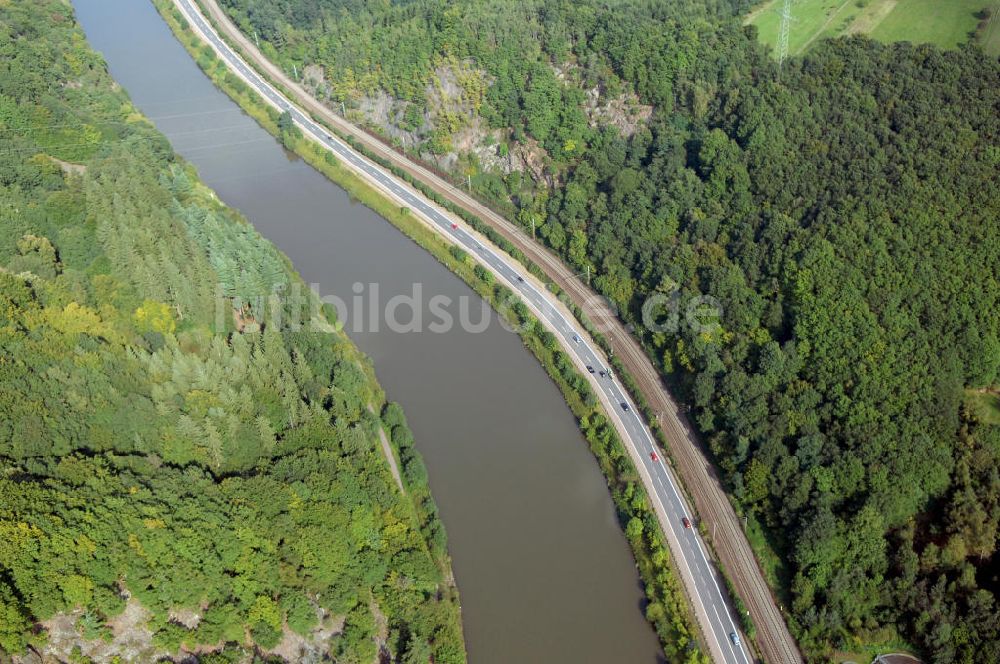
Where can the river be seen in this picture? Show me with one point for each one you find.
(543, 569)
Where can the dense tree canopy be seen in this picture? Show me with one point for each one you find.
(844, 213)
(176, 431)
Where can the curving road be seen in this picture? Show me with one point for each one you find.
(698, 573)
(690, 459)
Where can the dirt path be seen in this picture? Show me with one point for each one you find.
(826, 24)
(757, 11)
(691, 460)
(870, 17)
(389, 456)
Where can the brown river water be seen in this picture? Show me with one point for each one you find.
(543, 569)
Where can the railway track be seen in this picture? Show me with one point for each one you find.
(690, 459)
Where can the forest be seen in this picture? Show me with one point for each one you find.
(189, 444)
(843, 211)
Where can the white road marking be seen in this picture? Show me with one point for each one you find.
(629, 421)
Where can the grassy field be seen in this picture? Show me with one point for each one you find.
(985, 404)
(946, 23)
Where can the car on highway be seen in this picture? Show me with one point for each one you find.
(576, 338)
(505, 269)
(590, 369)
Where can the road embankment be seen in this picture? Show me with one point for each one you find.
(690, 461)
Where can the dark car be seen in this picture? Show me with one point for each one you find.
(520, 278)
(624, 406)
(590, 369)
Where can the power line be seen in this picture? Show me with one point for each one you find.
(786, 20)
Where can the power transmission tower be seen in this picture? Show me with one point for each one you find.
(786, 21)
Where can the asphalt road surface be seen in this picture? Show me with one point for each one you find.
(689, 551)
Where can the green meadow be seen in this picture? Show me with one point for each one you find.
(947, 23)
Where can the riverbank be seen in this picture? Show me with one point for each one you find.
(723, 530)
(650, 552)
(166, 404)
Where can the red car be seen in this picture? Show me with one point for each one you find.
(454, 226)
(652, 455)
(687, 522)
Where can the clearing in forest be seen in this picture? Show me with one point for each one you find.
(947, 24)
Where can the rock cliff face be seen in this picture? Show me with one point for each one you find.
(446, 127)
